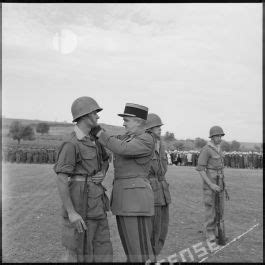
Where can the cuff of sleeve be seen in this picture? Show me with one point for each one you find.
(200, 168)
(66, 169)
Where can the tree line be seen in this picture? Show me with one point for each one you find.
(189, 144)
(18, 131)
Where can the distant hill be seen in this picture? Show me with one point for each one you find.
(7, 121)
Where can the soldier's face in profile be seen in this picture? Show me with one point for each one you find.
(130, 124)
(157, 131)
(92, 119)
(217, 139)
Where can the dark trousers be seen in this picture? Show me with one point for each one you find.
(135, 234)
(160, 223)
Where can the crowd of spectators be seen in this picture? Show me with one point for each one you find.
(233, 159)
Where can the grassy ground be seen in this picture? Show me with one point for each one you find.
(31, 214)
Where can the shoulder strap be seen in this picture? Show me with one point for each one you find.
(215, 150)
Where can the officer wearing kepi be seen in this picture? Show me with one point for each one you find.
(132, 199)
(81, 166)
(210, 165)
(159, 185)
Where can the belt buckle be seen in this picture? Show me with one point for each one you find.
(79, 178)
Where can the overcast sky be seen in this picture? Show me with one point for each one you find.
(195, 65)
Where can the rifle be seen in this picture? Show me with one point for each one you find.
(221, 240)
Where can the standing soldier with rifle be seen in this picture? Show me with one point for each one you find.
(29, 155)
(35, 155)
(12, 155)
(50, 155)
(18, 155)
(159, 185)
(81, 166)
(210, 166)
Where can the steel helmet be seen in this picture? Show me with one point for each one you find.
(153, 120)
(216, 130)
(82, 106)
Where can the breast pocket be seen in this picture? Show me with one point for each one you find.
(89, 153)
(137, 198)
(216, 161)
(88, 159)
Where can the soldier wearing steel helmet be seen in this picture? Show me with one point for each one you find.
(81, 166)
(211, 164)
(18, 155)
(50, 155)
(132, 199)
(159, 185)
(29, 155)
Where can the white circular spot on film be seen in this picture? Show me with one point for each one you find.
(65, 41)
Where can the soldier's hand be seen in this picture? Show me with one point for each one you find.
(98, 178)
(94, 131)
(78, 221)
(215, 187)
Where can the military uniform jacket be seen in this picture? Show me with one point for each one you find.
(156, 176)
(211, 160)
(70, 155)
(132, 194)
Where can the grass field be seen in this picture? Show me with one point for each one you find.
(31, 214)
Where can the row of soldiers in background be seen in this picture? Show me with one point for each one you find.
(31, 155)
(231, 159)
(243, 159)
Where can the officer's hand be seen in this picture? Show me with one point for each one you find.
(98, 178)
(215, 187)
(78, 221)
(94, 131)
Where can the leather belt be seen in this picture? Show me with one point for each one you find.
(129, 177)
(219, 171)
(80, 178)
(214, 171)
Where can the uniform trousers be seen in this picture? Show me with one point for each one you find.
(135, 234)
(98, 247)
(210, 223)
(160, 223)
